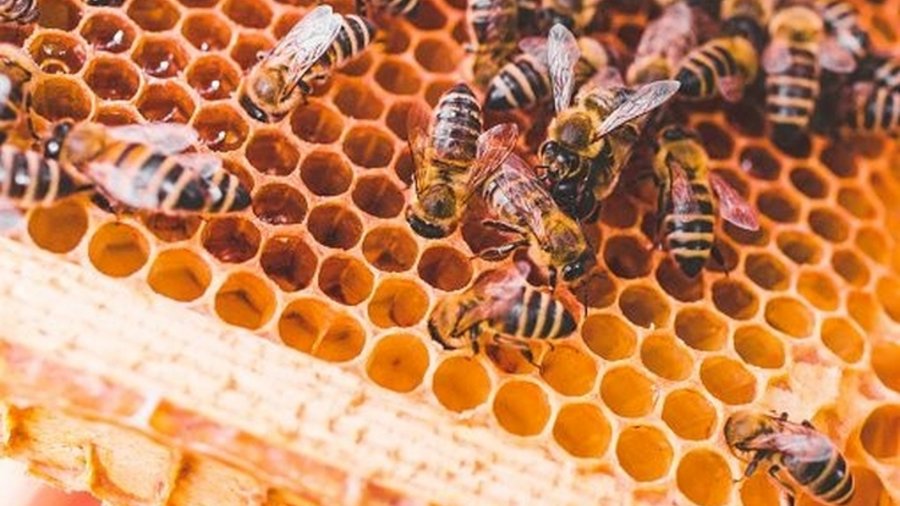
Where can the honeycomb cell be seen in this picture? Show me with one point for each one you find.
(398, 77)
(662, 355)
(57, 53)
(850, 266)
(284, 24)
(390, 248)
(445, 268)
(701, 329)
(819, 290)
(689, 414)
(112, 78)
(759, 490)
(165, 102)
(842, 338)
(213, 77)
(626, 257)
(398, 303)
(436, 55)
(748, 119)
(644, 452)
(888, 291)
(118, 250)
(279, 204)
(767, 271)
(863, 308)
(759, 163)
(790, 316)
(778, 206)
(644, 306)
(58, 228)
(435, 89)
(404, 167)
(325, 173)
(160, 56)
(64, 15)
(248, 13)
(345, 280)
(759, 347)
(840, 160)
(568, 370)
(396, 118)
(728, 380)
(289, 262)
(800, 247)
(461, 383)
(596, 290)
(627, 392)
(735, 299)
(704, 477)
(179, 274)
(153, 15)
(676, 283)
(60, 97)
(357, 100)
(317, 123)
(618, 211)
(522, 408)
(829, 225)
(719, 144)
(115, 115)
(879, 435)
(198, 3)
(312, 326)
(608, 336)
(378, 196)
(873, 244)
(856, 203)
(248, 49)
(231, 239)
(107, 31)
(271, 152)
(809, 183)
(582, 430)
(368, 147)
(398, 362)
(335, 226)
(245, 300)
(220, 127)
(206, 31)
(171, 228)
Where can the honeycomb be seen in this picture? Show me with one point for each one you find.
(803, 317)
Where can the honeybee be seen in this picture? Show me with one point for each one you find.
(887, 75)
(665, 42)
(589, 142)
(795, 455)
(876, 109)
(502, 302)
(493, 34)
(685, 212)
(842, 20)
(577, 14)
(370, 8)
(446, 149)
(142, 167)
(353, 37)
(18, 11)
(16, 72)
(724, 65)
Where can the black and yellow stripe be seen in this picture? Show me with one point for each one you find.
(791, 94)
(493, 24)
(457, 125)
(18, 11)
(827, 479)
(354, 36)
(702, 68)
(887, 75)
(522, 83)
(536, 314)
(28, 179)
(690, 236)
(842, 18)
(879, 112)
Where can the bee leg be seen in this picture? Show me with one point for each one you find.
(552, 278)
(500, 252)
(784, 416)
(758, 457)
(788, 488)
(502, 226)
(519, 345)
(717, 256)
(807, 424)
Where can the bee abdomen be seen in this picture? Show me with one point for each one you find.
(703, 67)
(538, 315)
(229, 195)
(492, 23)
(791, 95)
(28, 179)
(888, 75)
(457, 125)
(354, 36)
(879, 112)
(520, 84)
(828, 478)
(19, 11)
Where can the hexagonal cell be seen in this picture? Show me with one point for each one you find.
(312, 326)
(704, 477)
(61, 97)
(153, 15)
(378, 195)
(608, 336)
(57, 53)
(160, 56)
(850, 266)
(64, 15)
(445, 268)
(461, 383)
(845, 341)
(809, 183)
(676, 283)
(390, 248)
(767, 271)
(206, 31)
(436, 55)
(171, 228)
(231, 239)
(358, 100)
(248, 13)
(179, 274)
(398, 302)
(747, 118)
(279, 204)
(760, 490)
(396, 118)
(118, 250)
(345, 279)
(759, 163)
(289, 262)
(198, 3)
(644, 306)
(398, 362)
(888, 291)
(790, 316)
(316, 123)
(644, 452)
(107, 31)
(879, 435)
(166, 102)
(368, 147)
(595, 290)
(271, 152)
(582, 430)
(873, 244)
(829, 225)
(426, 16)
(521, 407)
(885, 355)
(568, 370)
(863, 308)
(819, 289)
(58, 228)
(627, 392)
(857, 203)
(759, 347)
(112, 78)
(618, 211)
(325, 173)
(728, 380)
(840, 160)
(398, 77)
(701, 329)
(735, 299)
(221, 127)
(665, 357)
(245, 300)
(800, 247)
(626, 257)
(689, 414)
(435, 90)
(335, 226)
(213, 77)
(249, 47)
(285, 22)
(116, 114)
(719, 144)
(778, 206)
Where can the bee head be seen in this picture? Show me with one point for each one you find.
(263, 93)
(742, 427)
(442, 324)
(560, 161)
(797, 23)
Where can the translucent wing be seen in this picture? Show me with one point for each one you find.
(776, 58)
(494, 146)
(12, 220)
(562, 54)
(205, 165)
(5, 87)
(732, 206)
(523, 195)
(117, 185)
(684, 201)
(418, 122)
(497, 290)
(307, 41)
(166, 138)
(536, 47)
(805, 446)
(836, 58)
(643, 100)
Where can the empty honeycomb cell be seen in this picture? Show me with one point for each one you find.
(335, 226)
(701, 329)
(800, 247)
(213, 77)
(879, 435)
(662, 355)
(759, 347)
(819, 289)
(378, 195)
(888, 291)
(735, 299)
(248, 49)
(809, 183)
(58, 228)
(398, 77)
(206, 31)
(271, 152)
(885, 359)
(627, 392)
(778, 206)
(279, 204)
(790, 316)
(840, 161)
(842, 338)
(169, 228)
(316, 123)
(689, 414)
(284, 23)
(728, 380)
(850, 266)
(627, 257)
(404, 167)
(868, 488)
(644, 306)
(741, 237)
(112, 78)
(245, 300)
(767, 271)
(118, 250)
(179, 274)
(390, 248)
(355, 99)
(644, 452)
(856, 203)
(829, 225)
(107, 31)
(115, 114)
(153, 15)
(398, 362)
(160, 56)
(618, 211)
(345, 279)
(873, 244)
(748, 119)
(760, 490)
(61, 97)
(436, 55)
(368, 147)
(435, 89)
(568, 370)
(198, 3)
(325, 173)
(719, 144)
(582, 430)
(609, 336)
(166, 102)
(759, 163)
(461, 383)
(704, 477)
(248, 13)
(426, 16)
(396, 118)
(398, 303)
(676, 283)
(220, 127)
(313, 327)
(522, 408)
(445, 268)
(863, 308)
(289, 262)
(231, 239)
(57, 53)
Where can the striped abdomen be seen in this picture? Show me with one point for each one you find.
(535, 314)
(842, 18)
(457, 125)
(791, 94)
(227, 194)
(878, 112)
(354, 36)
(28, 179)
(19, 11)
(520, 84)
(689, 236)
(703, 67)
(396, 6)
(827, 479)
(493, 24)
(888, 75)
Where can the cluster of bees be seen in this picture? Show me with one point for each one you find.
(525, 54)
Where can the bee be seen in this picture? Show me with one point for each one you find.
(877, 109)
(18, 11)
(842, 20)
(665, 42)
(589, 142)
(887, 75)
(353, 37)
(370, 8)
(16, 73)
(793, 62)
(446, 148)
(500, 302)
(685, 212)
(795, 455)
(724, 65)
(142, 167)
(493, 34)
(574, 14)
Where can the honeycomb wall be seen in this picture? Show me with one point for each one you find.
(805, 313)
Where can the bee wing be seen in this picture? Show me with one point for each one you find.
(166, 138)
(494, 147)
(418, 122)
(609, 77)
(536, 47)
(732, 206)
(307, 41)
(806, 446)
(562, 54)
(643, 100)
(684, 201)
(5, 87)
(523, 207)
(12, 219)
(205, 165)
(776, 58)
(836, 58)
